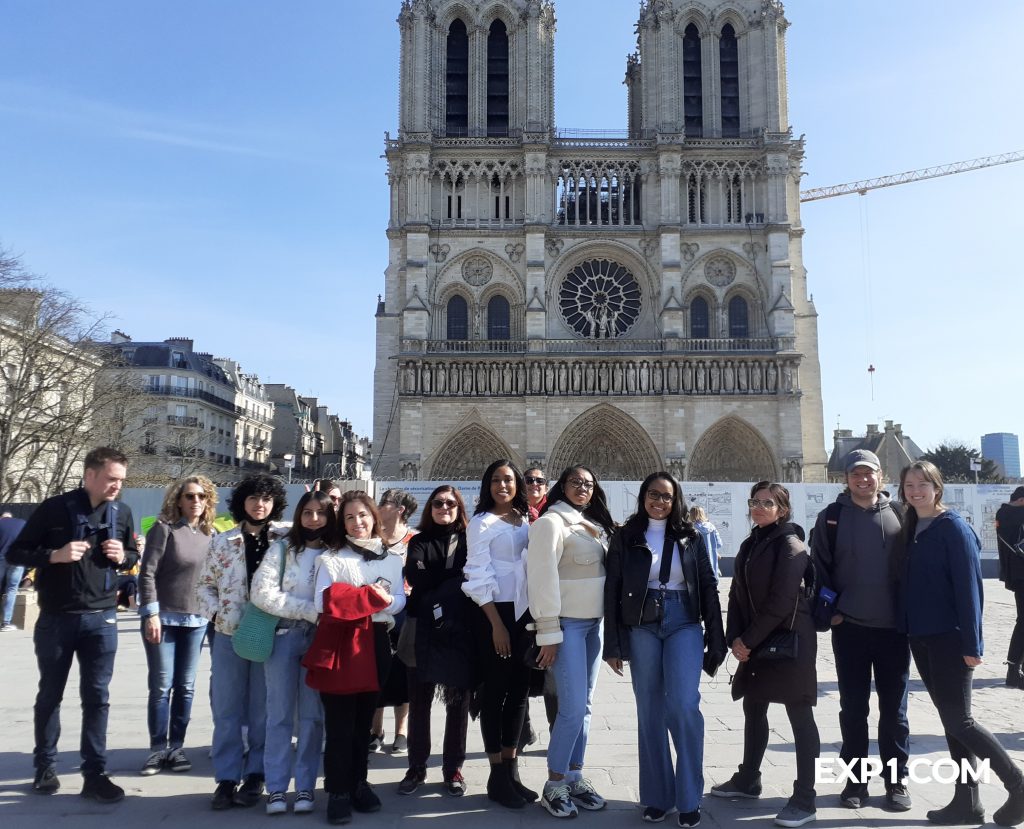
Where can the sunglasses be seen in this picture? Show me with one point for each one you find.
(194, 496)
(579, 483)
(531, 480)
(663, 497)
(444, 503)
(754, 503)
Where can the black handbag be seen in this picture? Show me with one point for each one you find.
(653, 609)
(530, 650)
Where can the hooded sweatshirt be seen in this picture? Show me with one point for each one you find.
(860, 568)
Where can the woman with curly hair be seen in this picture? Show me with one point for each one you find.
(237, 685)
(172, 629)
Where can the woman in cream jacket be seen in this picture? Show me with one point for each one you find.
(565, 575)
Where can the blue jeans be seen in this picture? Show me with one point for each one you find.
(575, 672)
(10, 577)
(860, 652)
(287, 693)
(665, 664)
(58, 638)
(172, 678)
(239, 698)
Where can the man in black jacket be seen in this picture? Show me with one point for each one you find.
(78, 542)
(1010, 532)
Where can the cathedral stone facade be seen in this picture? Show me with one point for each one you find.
(632, 301)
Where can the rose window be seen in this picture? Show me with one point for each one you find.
(599, 299)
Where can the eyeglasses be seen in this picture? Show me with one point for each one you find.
(443, 503)
(579, 483)
(531, 480)
(754, 503)
(664, 497)
(194, 496)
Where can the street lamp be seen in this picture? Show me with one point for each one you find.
(289, 464)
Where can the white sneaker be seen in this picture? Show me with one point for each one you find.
(304, 802)
(277, 803)
(8, 628)
(585, 796)
(557, 801)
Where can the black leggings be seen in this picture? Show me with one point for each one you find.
(506, 683)
(941, 664)
(805, 738)
(1015, 655)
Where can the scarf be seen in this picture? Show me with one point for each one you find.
(371, 549)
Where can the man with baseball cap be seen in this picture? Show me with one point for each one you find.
(1010, 532)
(855, 544)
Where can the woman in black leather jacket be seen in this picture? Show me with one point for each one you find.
(653, 619)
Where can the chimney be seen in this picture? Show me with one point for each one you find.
(872, 429)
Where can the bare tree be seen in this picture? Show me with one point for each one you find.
(50, 373)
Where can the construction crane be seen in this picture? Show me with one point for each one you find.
(862, 187)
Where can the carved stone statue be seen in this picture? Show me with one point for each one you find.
(755, 378)
(772, 379)
(645, 377)
(425, 379)
(714, 377)
(701, 378)
(577, 377)
(441, 386)
(563, 378)
(741, 376)
(631, 381)
(787, 378)
(728, 377)
(535, 378)
(590, 379)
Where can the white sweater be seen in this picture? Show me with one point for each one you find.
(565, 570)
(349, 567)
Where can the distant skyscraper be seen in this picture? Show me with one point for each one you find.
(1004, 449)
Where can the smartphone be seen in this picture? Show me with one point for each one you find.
(383, 582)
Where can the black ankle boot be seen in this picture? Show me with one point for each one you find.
(1012, 811)
(964, 809)
(529, 795)
(1014, 675)
(501, 789)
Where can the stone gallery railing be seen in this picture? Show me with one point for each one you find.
(453, 376)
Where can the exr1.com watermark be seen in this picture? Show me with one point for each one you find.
(921, 770)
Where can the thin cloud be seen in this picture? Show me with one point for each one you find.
(102, 118)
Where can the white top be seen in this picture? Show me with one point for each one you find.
(496, 561)
(349, 567)
(293, 597)
(655, 536)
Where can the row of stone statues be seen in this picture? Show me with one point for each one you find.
(447, 378)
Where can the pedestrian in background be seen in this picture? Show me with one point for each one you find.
(1010, 535)
(10, 574)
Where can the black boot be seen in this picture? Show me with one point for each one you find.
(964, 809)
(529, 795)
(1012, 811)
(501, 789)
(1014, 675)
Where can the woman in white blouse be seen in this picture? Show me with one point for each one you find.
(496, 581)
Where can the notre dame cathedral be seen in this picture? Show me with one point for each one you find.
(631, 301)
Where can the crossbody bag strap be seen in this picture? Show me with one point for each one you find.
(453, 545)
(796, 604)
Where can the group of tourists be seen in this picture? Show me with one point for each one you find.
(317, 624)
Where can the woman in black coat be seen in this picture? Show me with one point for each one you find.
(767, 598)
(443, 638)
(667, 653)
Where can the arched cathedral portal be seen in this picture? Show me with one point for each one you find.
(732, 451)
(467, 453)
(608, 441)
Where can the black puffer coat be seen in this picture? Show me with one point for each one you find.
(767, 587)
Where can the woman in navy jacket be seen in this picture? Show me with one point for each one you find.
(942, 600)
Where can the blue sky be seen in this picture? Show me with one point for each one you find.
(212, 169)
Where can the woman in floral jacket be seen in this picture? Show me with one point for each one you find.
(238, 688)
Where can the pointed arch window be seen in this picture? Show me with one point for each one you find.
(739, 318)
(700, 319)
(497, 80)
(499, 319)
(693, 83)
(457, 80)
(458, 318)
(729, 74)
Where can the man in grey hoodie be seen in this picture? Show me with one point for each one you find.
(855, 545)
